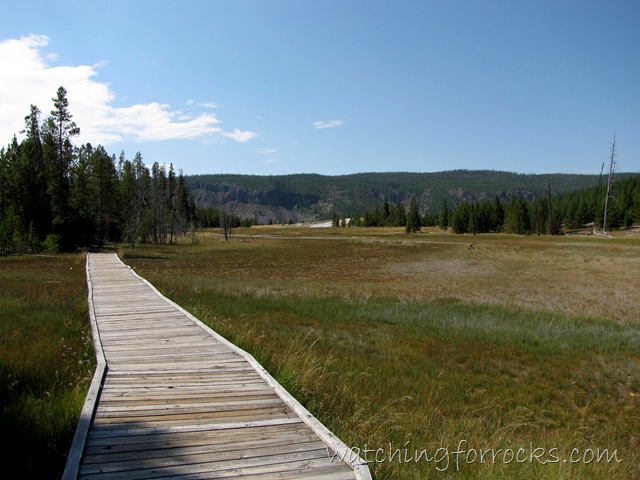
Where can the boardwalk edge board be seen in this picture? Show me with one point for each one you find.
(72, 468)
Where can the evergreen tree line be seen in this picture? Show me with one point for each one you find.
(56, 196)
(211, 217)
(556, 215)
(540, 215)
(388, 215)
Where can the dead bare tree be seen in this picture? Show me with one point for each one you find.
(537, 214)
(606, 200)
(226, 222)
(595, 202)
(550, 210)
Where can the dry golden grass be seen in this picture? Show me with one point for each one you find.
(564, 275)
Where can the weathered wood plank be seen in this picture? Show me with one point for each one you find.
(173, 409)
(225, 468)
(201, 456)
(131, 431)
(215, 379)
(166, 395)
(194, 417)
(206, 450)
(168, 398)
(213, 438)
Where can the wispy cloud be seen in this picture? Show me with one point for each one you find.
(329, 124)
(210, 105)
(192, 102)
(267, 151)
(32, 80)
(271, 160)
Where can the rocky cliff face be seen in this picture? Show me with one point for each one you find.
(277, 204)
(309, 197)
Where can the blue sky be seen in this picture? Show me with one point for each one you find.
(334, 87)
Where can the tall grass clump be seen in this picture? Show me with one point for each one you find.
(46, 361)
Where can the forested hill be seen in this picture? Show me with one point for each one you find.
(310, 196)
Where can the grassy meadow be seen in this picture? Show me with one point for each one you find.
(520, 351)
(46, 361)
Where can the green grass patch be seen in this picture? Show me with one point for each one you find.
(415, 372)
(46, 361)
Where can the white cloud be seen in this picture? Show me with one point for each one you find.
(329, 124)
(30, 79)
(154, 121)
(271, 160)
(240, 135)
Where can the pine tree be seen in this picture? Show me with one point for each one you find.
(413, 217)
(103, 185)
(498, 214)
(400, 216)
(335, 220)
(81, 197)
(517, 218)
(443, 219)
(59, 154)
(485, 217)
(386, 219)
(460, 218)
(4, 183)
(377, 219)
(134, 186)
(184, 206)
(172, 206)
(38, 198)
(157, 203)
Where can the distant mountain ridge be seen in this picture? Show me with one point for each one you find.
(307, 197)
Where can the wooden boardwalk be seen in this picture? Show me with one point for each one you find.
(172, 399)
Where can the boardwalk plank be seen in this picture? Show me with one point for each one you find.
(235, 438)
(175, 457)
(226, 468)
